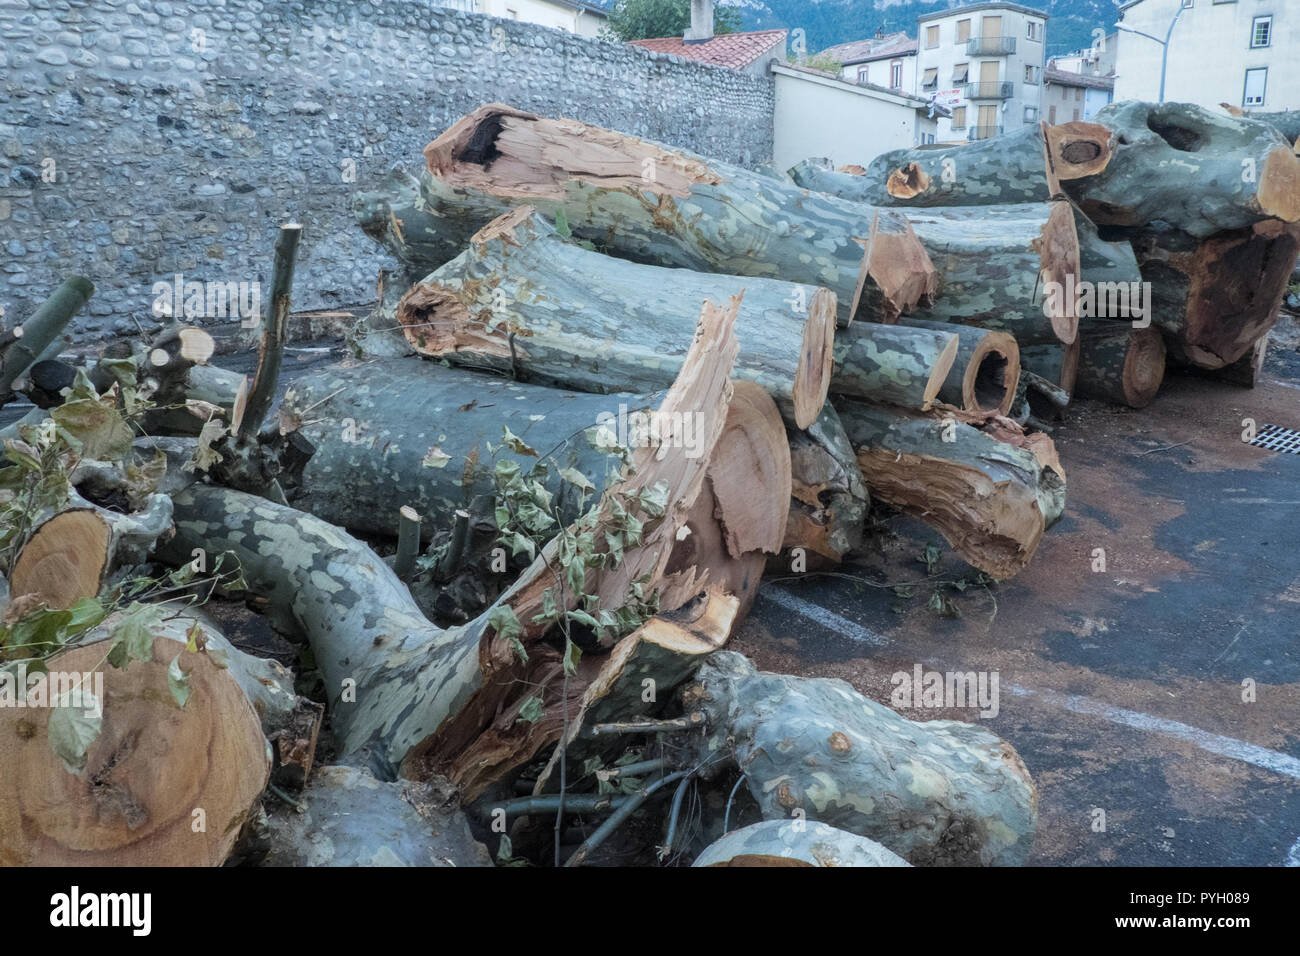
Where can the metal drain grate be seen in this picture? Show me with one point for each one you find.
(1277, 438)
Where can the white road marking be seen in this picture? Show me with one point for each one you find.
(1272, 760)
(827, 619)
(1293, 855)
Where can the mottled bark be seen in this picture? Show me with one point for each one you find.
(521, 300)
(985, 371)
(351, 819)
(937, 793)
(889, 363)
(645, 202)
(1120, 364)
(996, 266)
(1197, 170)
(796, 843)
(989, 499)
(829, 500)
(40, 330)
(1056, 364)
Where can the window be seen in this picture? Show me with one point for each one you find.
(932, 37)
(1033, 30)
(1187, 4)
(896, 74)
(1255, 82)
(1051, 115)
(1031, 75)
(1076, 116)
(1031, 114)
(1261, 32)
(960, 73)
(930, 81)
(959, 117)
(1078, 94)
(963, 31)
(862, 74)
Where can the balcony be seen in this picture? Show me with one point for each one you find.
(984, 132)
(988, 91)
(990, 46)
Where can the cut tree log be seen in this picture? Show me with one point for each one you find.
(989, 499)
(985, 371)
(796, 843)
(1214, 298)
(829, 501)
(22, 350)
(1057, 365)
(413, 695)
(1286, 122)
(162, 785)
(1005, 169)
(1196, 170)
(523, 301)
(645, 202)
(1246, 371)
(1120, 364)
(999, 264)
(888, 363)
(937, 793)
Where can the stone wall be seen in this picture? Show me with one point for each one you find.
(143, 139)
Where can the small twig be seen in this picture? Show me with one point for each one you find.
(408, 541)
(650, 726)
(300, 808)
(572, 803)
(1142, 454)
(726, 817)
(673, 814)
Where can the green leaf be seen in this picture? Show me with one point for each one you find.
(84, 615)
(134, 630)
(204, 455)
(505, 622)
(654, 501)
(562, 224)
(192, 638)
(71, 730)
(97, 425)
(577, 478)
(572, 654)
(178, 682)
(532, 711)
(435, 458)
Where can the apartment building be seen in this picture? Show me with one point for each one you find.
(984, 62)
(886, 60)
(1245, 53)
(582, 17)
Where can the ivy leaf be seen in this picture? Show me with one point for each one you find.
(192, 638)
(654, 501)
(97, 426)
(178, 682)
(204, 455)
(72, 730)
(577, 478)
(505, 622)
(435, 458)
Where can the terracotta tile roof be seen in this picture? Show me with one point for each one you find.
(736, 50)
(860, 51)
(1070, 78)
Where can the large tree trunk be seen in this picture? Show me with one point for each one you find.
(1214, 298)
(888, 363)
(522, 300)
(1058, 365)
(1199, 171)
(986, 370)
(1014, 168)
(417, 696)
(937, 793)
(24, 345)
(162, 785)
(1120, 364)
(989, 499)
(997, 265)
(645, 202)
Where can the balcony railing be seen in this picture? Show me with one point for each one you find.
(990, 46)
(988, 91)
(984, 132)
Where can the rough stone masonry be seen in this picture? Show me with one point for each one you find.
(139, 140)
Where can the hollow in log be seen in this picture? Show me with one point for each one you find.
(985, 370)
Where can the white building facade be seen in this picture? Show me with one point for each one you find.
(1245, 53)
(984, 62)
(584, 19)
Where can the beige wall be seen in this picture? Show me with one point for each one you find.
(817, 117)
(557, 15)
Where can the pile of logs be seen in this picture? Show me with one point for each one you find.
(608, 384)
